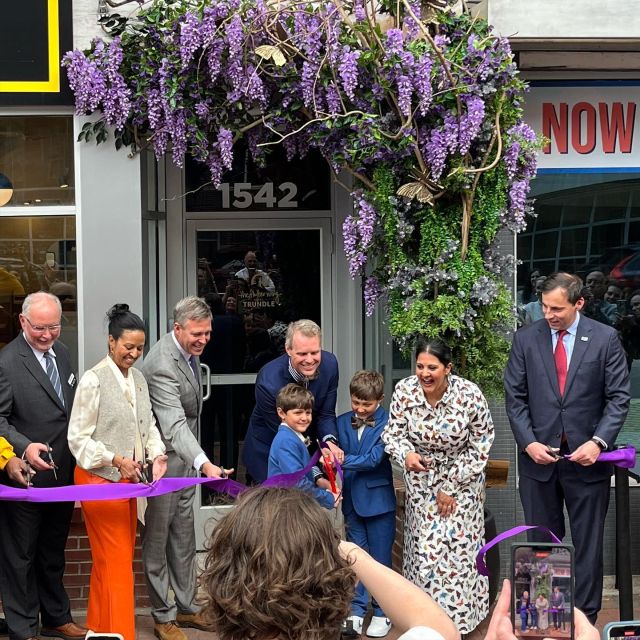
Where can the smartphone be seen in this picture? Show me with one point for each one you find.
(626, 630)
(542, 587)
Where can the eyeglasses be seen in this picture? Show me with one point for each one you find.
(41, 328)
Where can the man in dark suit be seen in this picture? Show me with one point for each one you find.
(37, 385)
(306, 364)
(567, 394)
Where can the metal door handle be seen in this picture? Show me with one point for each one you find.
(207, 381)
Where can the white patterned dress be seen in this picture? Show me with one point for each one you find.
(439, 553)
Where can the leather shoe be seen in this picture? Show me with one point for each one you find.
(168, 631)
(68, 631)
(195, 621)
(4, 627)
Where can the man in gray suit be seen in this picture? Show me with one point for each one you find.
(37, 386)
(172, 370)
(567, 397)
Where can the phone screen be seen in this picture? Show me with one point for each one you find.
(543, 590)
(626, 630)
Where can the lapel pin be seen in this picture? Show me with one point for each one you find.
(584, 338)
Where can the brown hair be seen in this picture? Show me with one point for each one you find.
(367, 385)
(273, 570)
(294, 396)
(571, 284)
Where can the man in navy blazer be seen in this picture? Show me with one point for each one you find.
(306, 364)
(579, 421)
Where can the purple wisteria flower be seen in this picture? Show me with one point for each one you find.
(348, 70)
(372, 292)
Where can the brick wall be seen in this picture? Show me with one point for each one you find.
(78, 569)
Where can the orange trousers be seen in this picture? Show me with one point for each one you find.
(111, 526)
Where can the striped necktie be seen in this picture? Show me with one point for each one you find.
(52, 372)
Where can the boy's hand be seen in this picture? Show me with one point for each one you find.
(336, 450)
(323, 483)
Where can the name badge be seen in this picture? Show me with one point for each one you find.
(72, 380)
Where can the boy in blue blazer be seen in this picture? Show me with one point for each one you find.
(369, 501)
(288, 452)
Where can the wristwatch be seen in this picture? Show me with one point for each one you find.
(599, 442)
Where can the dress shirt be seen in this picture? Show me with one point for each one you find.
(202, 457)
(93, 453)
(569, 338)
(42, 360)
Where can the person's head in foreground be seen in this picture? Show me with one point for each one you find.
(274, 570)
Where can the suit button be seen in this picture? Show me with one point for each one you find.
(558, 435)
(563, 410)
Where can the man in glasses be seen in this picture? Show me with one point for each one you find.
(37, 386)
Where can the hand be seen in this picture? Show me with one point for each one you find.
(445, 503)
(130, 470)
(17, 469)
(323, 483)
(336, 450)
(586, 454)
(159, 467)
(211, 470)
(32, 456)
(415, 462)
(500, 625)
(539, 453)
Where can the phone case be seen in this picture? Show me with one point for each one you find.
(606, 632)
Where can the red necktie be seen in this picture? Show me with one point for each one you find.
(560, 357)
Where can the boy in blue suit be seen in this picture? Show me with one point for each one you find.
(369, 501)
(288, 452)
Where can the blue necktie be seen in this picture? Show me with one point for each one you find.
(194, 366)
(52, 372)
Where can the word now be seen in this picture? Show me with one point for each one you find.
(615, 126)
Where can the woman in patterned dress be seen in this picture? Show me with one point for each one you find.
(440, 430)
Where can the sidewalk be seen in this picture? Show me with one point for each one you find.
(609, 613)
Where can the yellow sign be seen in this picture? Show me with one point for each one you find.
(52, 85)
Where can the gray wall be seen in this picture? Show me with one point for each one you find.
(109, 241)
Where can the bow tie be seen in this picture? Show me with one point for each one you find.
(356, 422)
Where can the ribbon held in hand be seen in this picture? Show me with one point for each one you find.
(624, 458)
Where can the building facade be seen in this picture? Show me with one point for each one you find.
(97, 227)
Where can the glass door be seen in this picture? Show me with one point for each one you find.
(257, 276)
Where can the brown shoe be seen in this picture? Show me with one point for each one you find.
(195, 621)
(69, 631)
(168, 631)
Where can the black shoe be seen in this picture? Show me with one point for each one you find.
(4, 627)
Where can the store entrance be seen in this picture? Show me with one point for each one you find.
(257, 277)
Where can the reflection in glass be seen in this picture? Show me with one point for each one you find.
(596, 218)
(38, 254)
(255, 284)
(223, 426)
(36, 155)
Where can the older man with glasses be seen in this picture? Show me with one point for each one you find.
(37, 385)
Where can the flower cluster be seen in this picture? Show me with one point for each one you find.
(408, 108)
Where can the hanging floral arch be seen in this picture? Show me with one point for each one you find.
(420, 105)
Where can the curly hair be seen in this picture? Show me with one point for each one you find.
(273, 570)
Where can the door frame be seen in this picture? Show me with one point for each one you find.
(206, 516)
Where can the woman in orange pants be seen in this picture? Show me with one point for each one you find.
(112, 433)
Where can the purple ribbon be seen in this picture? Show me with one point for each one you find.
(124, 490)
(624, 458)
(514, 531)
